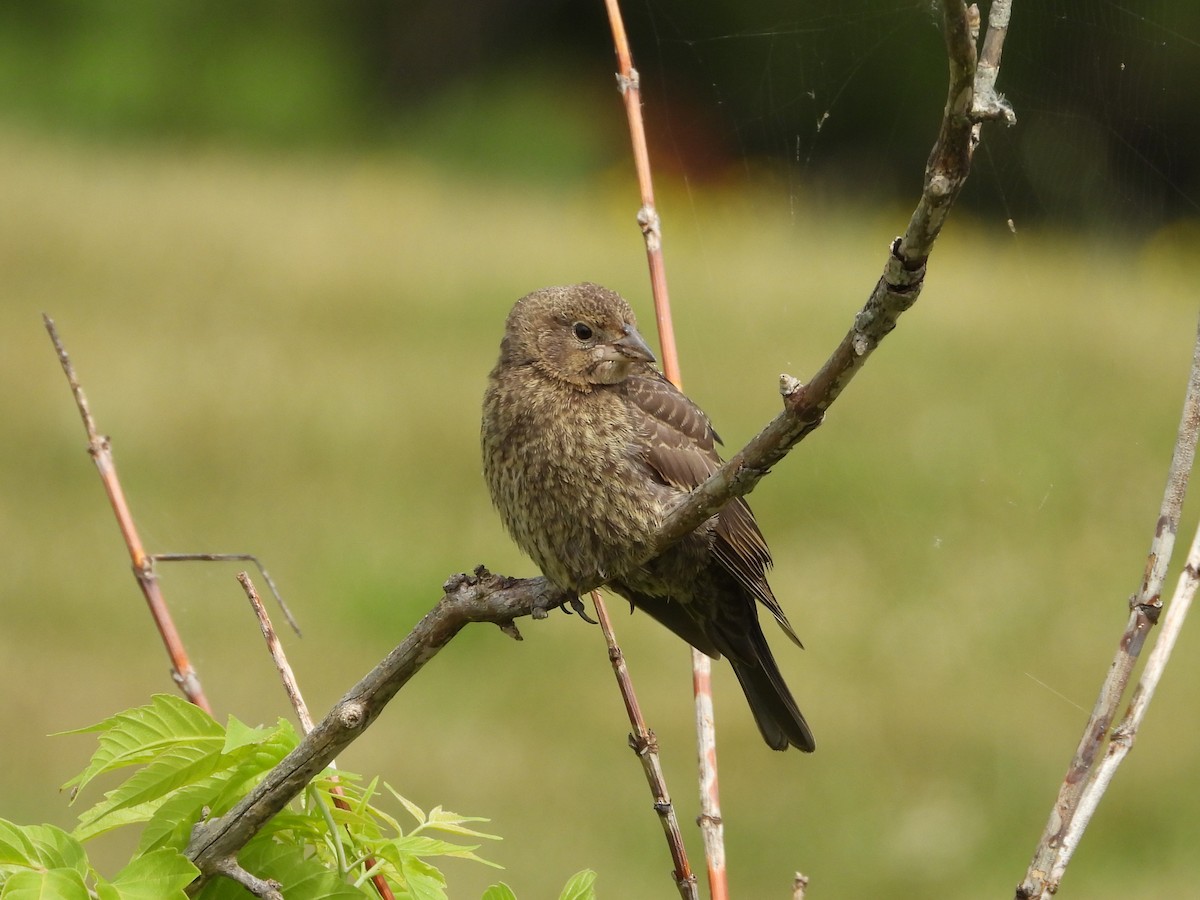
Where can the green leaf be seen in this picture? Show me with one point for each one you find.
(425, 882)
(41, 848)
(16, 846)
(500, 891)
(580, 886)
(130, 815)
(173, 767)
(54, 884)
(57, 850)
(138, 735)
(239, 734)
(415, 845)
(161, 875)
(249, 763)
(413, 810)
(171, 824)
(453, 823)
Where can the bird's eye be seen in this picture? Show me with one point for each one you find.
(582, 331)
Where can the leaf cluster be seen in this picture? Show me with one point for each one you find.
(187, 767)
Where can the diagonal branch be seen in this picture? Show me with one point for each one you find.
(1083, 785)
(100, 448)
(895, 292)
(484, 597)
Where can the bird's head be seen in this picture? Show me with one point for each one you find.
(582, 334)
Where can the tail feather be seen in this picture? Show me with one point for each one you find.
(775, 711)
(732, 630)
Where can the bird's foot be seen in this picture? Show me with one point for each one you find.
(580, 610)
(555, 599)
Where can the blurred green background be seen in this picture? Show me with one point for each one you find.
(281, 261)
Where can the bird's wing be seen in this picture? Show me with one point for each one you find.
(680, 450)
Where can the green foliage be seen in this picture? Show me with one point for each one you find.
(188, 767)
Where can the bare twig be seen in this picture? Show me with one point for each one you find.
(896, 291)
(234, 557)
(1070, 814)
(1125, 733)
(100, 449)
(629, 84)
(987, 104)
(484, 597)
(648, 220)
(259, 887)
(275, 648)
(292, 687)
(712, 826)
(643, 742)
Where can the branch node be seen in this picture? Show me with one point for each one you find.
(352, 714)
(268, 889)
(940, 187)
(644, 743)
(651, 225)
(510, 628)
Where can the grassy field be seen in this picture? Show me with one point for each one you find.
(289, 356)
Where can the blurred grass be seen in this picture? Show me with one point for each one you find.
(289, 354)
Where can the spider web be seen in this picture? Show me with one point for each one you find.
(839, 97)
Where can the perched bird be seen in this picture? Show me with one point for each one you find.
(585, 446)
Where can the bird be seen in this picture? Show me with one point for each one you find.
(586, 446)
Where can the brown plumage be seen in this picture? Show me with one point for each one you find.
(585, 445)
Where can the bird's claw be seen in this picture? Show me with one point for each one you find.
(562, 601)
(580, 610)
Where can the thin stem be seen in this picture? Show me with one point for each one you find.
(1054, 848)
(100, 449)
(234, 557)
(629, 83)
(1125, 733)
(643, 742)
(292, 687)
(278, 656)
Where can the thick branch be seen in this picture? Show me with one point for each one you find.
(483, 597)
(490, 598)
(896, 291)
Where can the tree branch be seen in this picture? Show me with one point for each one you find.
(648, 220)
(1083, 785)
(485, 597)
(643, 742)
(482, 597)
(895, 292)
(100, 448)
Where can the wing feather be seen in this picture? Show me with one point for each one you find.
(680, 449)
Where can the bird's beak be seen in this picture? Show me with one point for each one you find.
(634, 346)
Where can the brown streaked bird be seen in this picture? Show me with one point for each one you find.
(585, 446)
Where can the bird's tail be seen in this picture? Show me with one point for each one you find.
(775, 711)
